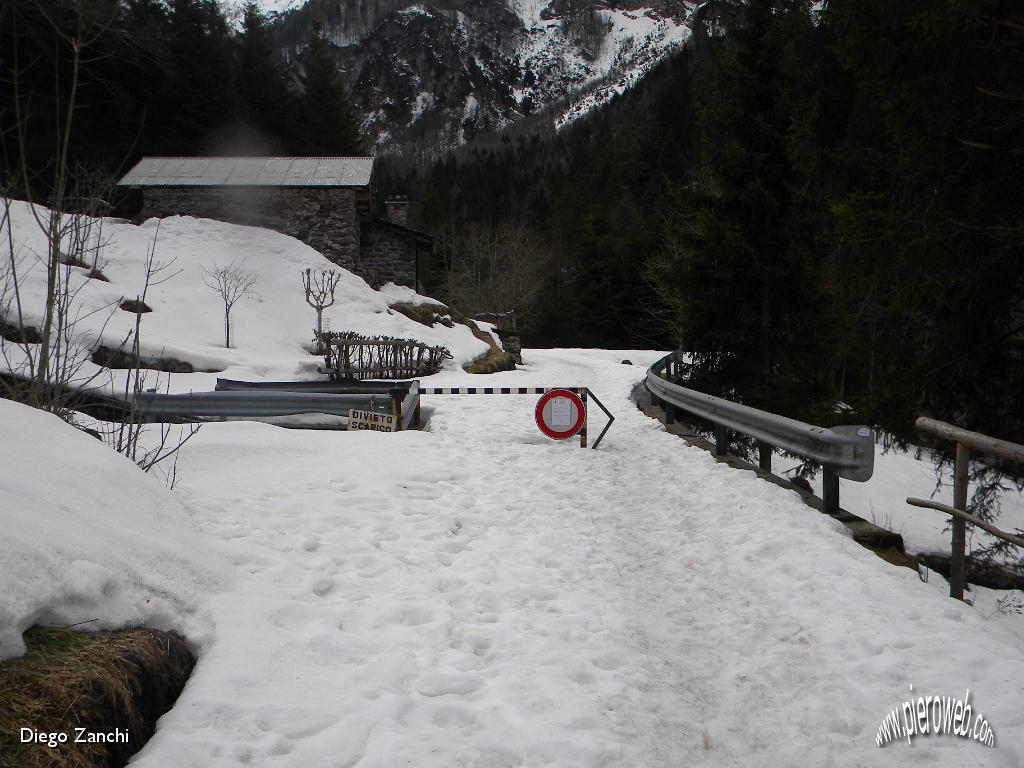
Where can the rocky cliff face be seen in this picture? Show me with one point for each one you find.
(429, 77)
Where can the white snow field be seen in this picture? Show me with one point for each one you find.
(477, 595)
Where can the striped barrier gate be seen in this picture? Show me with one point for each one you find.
(583, 392)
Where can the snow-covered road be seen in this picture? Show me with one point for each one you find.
(478, 595)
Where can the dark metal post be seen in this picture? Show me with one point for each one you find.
(670, 413)
(830, 491)
(956, 561)
(764, 456)
(583, 431)
(721, 440)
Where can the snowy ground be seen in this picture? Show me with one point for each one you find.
(475, 594)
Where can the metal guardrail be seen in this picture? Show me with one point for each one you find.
(845, 451)
(241, 400)
(320, 385)
(965, 440)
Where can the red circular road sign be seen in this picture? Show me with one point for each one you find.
(560, 413)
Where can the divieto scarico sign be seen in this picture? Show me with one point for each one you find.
(371, 420)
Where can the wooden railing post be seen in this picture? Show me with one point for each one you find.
(764, 456)
(956, 561)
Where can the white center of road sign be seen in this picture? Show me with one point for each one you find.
(561, 412)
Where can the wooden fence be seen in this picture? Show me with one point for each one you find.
(347, 355)
(965, 441)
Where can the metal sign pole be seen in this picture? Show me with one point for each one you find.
(583, 431)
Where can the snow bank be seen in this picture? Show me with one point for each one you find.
(90, 539)
(272, 328)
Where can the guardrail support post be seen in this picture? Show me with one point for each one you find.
(830, 491)
(670, 414)
(397, 396)
(956, 560)
(721, 440)
(764, 457)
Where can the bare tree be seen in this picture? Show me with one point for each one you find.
(77, 28)
(320, 293)
(125, 435)
(493, 268)
(232, 283)
(46, 375)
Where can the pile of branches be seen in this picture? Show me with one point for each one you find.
(348, 355)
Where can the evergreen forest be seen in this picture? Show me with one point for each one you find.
(826, 208)
(130, 78)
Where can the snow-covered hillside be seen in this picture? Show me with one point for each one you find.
(473, 593)
(272, 328)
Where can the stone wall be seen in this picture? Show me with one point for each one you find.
(388, 254)
(324, 218)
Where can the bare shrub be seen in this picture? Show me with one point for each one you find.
(231, 283)
(493, 268)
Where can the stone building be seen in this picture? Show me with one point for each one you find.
(326, 202)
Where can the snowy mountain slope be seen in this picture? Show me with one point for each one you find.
(433, 75)
(272, 328)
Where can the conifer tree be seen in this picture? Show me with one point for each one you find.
(932, 210)
(741, 262)
(261, 85)
(328, 124)
(203, 103)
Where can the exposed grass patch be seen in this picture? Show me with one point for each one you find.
(136, 306)
(116, 358)
(73, 261)
(426, 314)
(496, 358)
(895, 557)
(99, 681)
(19, 334)
(980, 572)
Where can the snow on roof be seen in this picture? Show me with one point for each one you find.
(250, 172)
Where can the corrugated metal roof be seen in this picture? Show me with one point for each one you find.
(250, 172)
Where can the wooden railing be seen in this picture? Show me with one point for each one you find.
(965, 441)
(349, 356)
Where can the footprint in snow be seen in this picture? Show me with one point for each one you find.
(441, 685)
